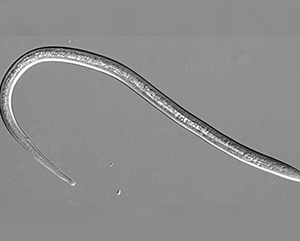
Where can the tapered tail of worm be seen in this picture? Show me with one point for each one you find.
(41, 158)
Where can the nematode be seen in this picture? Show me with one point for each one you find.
(144, 89)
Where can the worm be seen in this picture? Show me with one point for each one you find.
(140, 86)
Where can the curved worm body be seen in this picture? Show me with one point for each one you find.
(140, 86)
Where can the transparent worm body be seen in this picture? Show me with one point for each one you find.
(140, 86)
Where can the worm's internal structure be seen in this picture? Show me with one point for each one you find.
(140, 86)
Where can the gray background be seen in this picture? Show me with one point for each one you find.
(155, 17)
(83, 120)
(247, 88)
